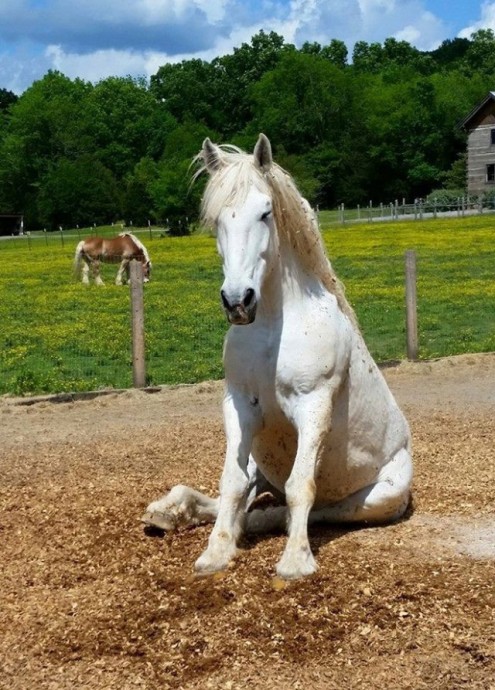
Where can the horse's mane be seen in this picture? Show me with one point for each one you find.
(138, 244)
(295, 220)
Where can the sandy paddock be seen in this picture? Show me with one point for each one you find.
(88, 600)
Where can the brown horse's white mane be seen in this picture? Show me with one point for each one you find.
(138, 244)
(295, 220)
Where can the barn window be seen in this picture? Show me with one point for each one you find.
(492, 137)
(490, 172)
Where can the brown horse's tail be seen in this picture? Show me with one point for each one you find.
(78, 259)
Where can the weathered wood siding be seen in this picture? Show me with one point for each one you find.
(481, 152)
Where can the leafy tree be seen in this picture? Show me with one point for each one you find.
(7, 98)
(456, 176)
(336, 52)
(237, 73)
(450, 53)
(189, 91)
(480, 56)
(367, 57)
(303, 101)
(80, 192)
(43, 126)
(121, 118)
(138, 202)
(175, 199)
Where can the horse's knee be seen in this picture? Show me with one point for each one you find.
(177, 494)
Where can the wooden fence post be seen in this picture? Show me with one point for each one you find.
(137, 312)
(411, 306)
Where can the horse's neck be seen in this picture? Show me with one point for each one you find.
(286, 284)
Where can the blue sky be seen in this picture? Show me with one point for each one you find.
(93, 39)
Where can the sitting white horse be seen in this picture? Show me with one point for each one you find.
(308, 415)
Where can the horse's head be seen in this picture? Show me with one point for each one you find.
(241, 208)
(146, 271)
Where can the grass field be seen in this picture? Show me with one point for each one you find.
(60, 335)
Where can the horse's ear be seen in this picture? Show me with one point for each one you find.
(211, 156)
(263, 153)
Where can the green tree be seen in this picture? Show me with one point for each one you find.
(176, 199)
(304, 101)
(80, 192)
(188, 91)
(124, 123)
(238, 72)
(336, 52)
(44, 124)
(480, 56)
(450, 53)
(7, 98)
(138, 204)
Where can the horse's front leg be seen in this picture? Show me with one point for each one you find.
(312, 416)
(120, 273)
(242, 420)
(96, 273)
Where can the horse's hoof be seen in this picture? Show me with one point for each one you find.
(289, 568)
(158, 520)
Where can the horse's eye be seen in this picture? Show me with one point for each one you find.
(266, 215)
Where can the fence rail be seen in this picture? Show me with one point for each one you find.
(419, 210)
(59, 335)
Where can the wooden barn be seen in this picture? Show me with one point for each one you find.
(480, 126)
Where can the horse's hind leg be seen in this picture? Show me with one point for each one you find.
(385, 500)
(85, 272)
(96, 273)
(182, 506)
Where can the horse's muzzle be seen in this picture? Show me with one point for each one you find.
(239, 316)
(242, 313)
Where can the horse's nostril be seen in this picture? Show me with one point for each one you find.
(248, 297)
(225, 301)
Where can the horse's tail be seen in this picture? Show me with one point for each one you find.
(78, 259)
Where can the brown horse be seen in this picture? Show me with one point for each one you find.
(121, 249)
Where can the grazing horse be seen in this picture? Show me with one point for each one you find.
(121, 249)
(308, 415)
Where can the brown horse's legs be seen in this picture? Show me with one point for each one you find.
(85, 271)
(123, 270)
(96, 273)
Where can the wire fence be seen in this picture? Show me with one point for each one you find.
(418, 210)
(59, 335)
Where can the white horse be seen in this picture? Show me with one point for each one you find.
(308, 415)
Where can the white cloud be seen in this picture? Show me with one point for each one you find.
(98, 65)
(369, 20)
(93, 39)
(411, 34)
(487, 20)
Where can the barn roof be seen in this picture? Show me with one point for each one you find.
(489, 98)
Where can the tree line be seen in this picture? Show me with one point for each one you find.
(381, 124)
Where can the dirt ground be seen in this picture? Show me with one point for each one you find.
(88, 600)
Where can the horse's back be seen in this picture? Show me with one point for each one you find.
(91, 245)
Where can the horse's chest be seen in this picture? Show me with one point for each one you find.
(251, 362)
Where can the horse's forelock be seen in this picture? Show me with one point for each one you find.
(231, 185)
(296, 223)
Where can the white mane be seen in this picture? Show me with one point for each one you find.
(295, 220)
(138, 244)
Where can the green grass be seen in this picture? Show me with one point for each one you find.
(59, 335)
